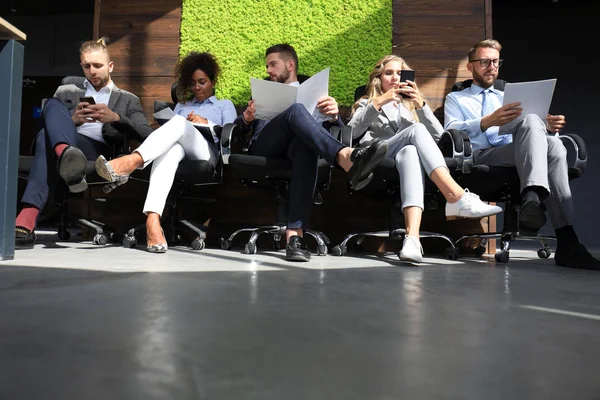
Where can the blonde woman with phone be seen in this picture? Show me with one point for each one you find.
(395, 110)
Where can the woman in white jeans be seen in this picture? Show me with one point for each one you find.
(177, 139)
(396, 111)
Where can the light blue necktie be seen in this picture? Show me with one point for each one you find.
(487, 107)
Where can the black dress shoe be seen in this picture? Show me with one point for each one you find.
(24, 238)
(576, 257)
(531, 217)
(296, 250)
(71, 167)
(365, 160)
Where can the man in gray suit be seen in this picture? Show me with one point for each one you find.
(81, 123)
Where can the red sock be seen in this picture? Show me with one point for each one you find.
(27, 217)
(58, 149)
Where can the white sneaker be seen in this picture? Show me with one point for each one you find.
(411, 250)
(469, 206)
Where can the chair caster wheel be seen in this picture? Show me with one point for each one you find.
(64, 234)
(129, 242)
(321, 250)
(502, 257)
(544, 253)
(225, 244)
(452, 253)
(100, 239)
(479, 251)
(338, 250)
(250, 248)
(198, 244)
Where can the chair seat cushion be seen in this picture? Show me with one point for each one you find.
(196, 171)
(191, 171)
(262, 171)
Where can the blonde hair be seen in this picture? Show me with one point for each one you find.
(95, 45)
(374, 85)
(487, 43)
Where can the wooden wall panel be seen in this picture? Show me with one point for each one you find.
(145, 38)
(434, 38)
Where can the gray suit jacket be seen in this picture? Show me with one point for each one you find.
(372, 124)
(133, 123)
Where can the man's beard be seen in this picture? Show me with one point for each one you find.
(283, 77)
(480, 81)
(103, 82)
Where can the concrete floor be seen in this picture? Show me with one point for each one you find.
(82, 322)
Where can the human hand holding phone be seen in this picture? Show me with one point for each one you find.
(82, 112)
(406, 75)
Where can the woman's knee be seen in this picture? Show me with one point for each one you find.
(407, 154)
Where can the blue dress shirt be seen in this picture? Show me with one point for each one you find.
(463, 111)
(217, 112)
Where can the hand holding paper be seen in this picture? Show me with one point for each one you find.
(535, 98)
(272, 98)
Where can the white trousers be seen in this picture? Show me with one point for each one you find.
(165, 148)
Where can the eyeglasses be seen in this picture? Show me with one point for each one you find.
(193, 84)
(485, 62)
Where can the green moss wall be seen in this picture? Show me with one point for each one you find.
(347, 35)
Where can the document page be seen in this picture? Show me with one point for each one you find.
(272, 98)
(535, 98)
(312, 90)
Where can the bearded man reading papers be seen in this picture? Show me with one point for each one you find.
(295, 134)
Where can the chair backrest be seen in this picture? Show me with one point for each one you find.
(360, 92)
(174, 92)
(462, 85)
(73, 80)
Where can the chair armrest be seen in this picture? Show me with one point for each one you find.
(342, 133)
(227, 135)
(575, 149)
(456, 144)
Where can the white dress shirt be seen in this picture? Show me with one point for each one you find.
(93, 130)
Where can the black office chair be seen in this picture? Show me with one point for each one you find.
(501, 184)
(191, 176)
(102, 233)
(274, 174)
(386, 184)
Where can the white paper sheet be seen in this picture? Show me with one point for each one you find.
(165, 114)
(535, 98)
(272, 98)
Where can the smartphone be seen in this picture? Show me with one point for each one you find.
(88, 99)
(406, 75)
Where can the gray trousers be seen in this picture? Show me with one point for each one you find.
(416, 155)
(541, 160)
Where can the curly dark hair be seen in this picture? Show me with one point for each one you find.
(186, 67)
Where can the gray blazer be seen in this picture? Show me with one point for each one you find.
(133, 121)
(372, 124)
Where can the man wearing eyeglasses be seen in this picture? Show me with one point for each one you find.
(540, 157)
